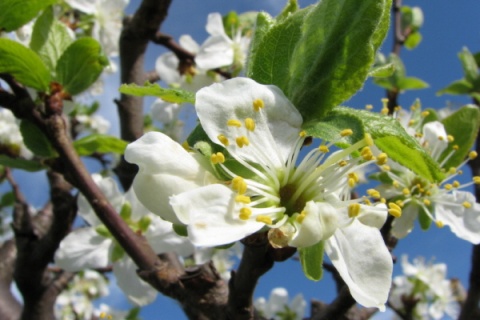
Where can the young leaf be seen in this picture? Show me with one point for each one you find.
(19, 163)
(153, 89)
(335, 52)
(99, 143)
(411, 83)
(413, 40)
(50, 38)
(311, 259)
(24, 65)
(291, 7)
(470, 67)
(36, 141)
(382, 71)
(391, 138)
(16, 13)
(80, 65)
(463, 125)
(461, 86)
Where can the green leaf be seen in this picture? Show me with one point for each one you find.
(391, 138)
(382, 71)
(411, 83)
(291, 7)
(311, 259)
(7, 200)
(19, 163)
(36, 140)
(463, 125)
(470, 67)
(80, 65)
(423, 219)
(329, 129)
(50, 38)
(99, 143)
(332, 58)
(413, 40)
(16, 13)
(153, 89)
(461, 86)
(24, 65)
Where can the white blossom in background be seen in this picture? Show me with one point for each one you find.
(300, 205)
(11, 140)
(76, 301)
(278, 307)
(223, 259)
(94, 123)
(219, 50)
(425, 285)
(93, 246)
(167, 114)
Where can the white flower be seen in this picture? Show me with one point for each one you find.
(108, 16)
(95, 123)
(219, 50)
(93, 247)
(191, 79)
(11, 140)
(278, 308)
(425, 286)
(223, 259)
(441, 202)
(300, 206)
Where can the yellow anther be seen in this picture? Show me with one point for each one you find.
(440, 138)
(472, 155)
(264, 219)
(427, 202)
(223, 140)
(242, 141)
(467, 205)
(397, 108)
(395, 184)
(234, 123)
(448, 186)
(383, 200)
(217, 158)
(373, 193)
(367, 154)
(384, 101)
(323, 148)
(346, 132)
(354, 210)
(369, 107)
(418, 135)
(428, 193)
(342, 163)
(368, 139)
(243, 199)
(367, 201)
(302, 134)
(239, 185)
(459, 172)
(394, 210)
(452, 170)
(382, 159)
(425, 113)
(386, 168)
(354, 176)
(301, 216)
(406, 191)
(384, 111)
(456, 184)
(455, 147)
(411, 123)
(399, 203)
(258, 104)
(476, 180)
(439, 224)
(250, 124)
(245, 213)
(185, 145)
(450, 138)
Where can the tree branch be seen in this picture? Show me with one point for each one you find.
(10, 308)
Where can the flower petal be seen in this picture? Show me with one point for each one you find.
(211, 211)
(137, 291)
(277, 124)
(81, 249)
(364, 263)
(435, 138)
(215, 52)
(162, 238)
(215, 24)
(187, 42)
(465, 223)
(166, 169)
(402, 226)
(166, 66)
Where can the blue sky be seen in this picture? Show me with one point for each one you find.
(449, 26)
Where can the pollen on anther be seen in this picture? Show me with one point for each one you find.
(394, 210)
(346, 132)
(217, 158)
(439, 224)
(354, 210)
(425, 114)
(302, 133)
(239, 185)
(472, 155)
(242, 141)
(427, 202)
(373, 193)
(382, 159)
(369, 107)
(301, 216)
(264, 219)
(467, 205)
(185, 145)
(223, 140)
(245, 213)
(323, 148)
(234, 123)
(250, 124)
(450, 138)
(353, 179)
(342, 163)
(476, 180)
(258, 104)
(243, 199)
